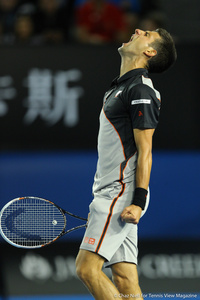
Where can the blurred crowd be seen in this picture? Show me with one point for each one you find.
(36, 22)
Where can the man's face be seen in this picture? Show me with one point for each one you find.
(139, 42)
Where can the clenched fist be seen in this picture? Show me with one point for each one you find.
(131, 214)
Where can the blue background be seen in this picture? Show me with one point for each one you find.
(66, 178)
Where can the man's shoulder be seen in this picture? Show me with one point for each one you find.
(143, 85)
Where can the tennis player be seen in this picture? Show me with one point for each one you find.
(127, 123)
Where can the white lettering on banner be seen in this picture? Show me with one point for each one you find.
(7, 92)
(170, 266)
(64, 268)
(51, 98)
(35, 267)
(60, 268)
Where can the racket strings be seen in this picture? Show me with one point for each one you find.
(32, 222)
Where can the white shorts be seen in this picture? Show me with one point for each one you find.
(106, 234)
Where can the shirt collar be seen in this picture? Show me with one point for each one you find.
(129, 74)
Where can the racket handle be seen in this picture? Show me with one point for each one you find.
(77, 227)
(75, 216)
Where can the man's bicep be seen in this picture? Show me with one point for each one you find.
(143, 138)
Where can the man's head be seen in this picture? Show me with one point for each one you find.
(166, 52)
(154, 50)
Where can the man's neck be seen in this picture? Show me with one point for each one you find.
(128, 64)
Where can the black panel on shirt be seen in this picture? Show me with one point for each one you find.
(143, 106)
(126, 116)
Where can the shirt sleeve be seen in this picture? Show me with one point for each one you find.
(144, 107)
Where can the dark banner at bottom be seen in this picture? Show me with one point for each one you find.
(169, 266)
(164, 267)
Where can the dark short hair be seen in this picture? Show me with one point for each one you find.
(166, 52)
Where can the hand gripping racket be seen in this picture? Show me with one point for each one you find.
(32, 222)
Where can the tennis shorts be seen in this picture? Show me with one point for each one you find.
(106, 234)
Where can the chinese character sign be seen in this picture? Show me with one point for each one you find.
(52, 98)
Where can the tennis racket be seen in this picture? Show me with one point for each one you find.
(32, 222)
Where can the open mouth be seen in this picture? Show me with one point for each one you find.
(131, 39)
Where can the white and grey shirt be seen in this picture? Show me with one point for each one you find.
(130, 103)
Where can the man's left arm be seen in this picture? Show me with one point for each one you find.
(143, 140)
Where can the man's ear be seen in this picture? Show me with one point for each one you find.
(150, 52)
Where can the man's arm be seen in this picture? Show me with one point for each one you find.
(143, 140)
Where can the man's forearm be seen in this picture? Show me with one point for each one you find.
(143, 170)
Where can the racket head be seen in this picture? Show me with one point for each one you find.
(31, 222)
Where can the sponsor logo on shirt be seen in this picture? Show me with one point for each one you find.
(140, 114)
(141, 101)
(88, 240)
(91, 241)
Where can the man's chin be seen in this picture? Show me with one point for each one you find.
(121, 49)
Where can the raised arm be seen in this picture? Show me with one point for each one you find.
(143, 140)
